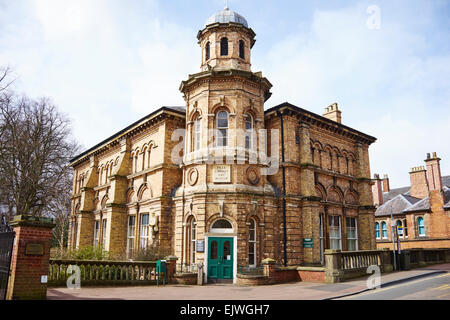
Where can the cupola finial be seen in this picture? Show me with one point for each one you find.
(226, 5)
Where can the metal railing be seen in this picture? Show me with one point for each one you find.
(103, 272)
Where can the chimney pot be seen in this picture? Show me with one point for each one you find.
(434, 155)
(428, 156)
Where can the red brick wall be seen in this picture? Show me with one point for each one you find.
(26, 270)
(312, 276)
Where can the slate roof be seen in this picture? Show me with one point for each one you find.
(401, 201)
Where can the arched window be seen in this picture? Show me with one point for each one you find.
(208, 51)
(222, 129)
(421, 224)
(405, 228)
(192, 237)
(144, 152)
(248, 131)
(222, 226)
(252, 243)
(241, 49)
(384, 230)
(224, 47)
(197, 134)
(136, 157)
(377, 230)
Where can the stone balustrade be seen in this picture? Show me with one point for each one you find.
(106, 272)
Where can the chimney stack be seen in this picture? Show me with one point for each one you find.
(333, 113)
(377, 191)
(419, 183)
(386, 187)
(434, 172)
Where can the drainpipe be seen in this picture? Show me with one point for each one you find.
(283, 193)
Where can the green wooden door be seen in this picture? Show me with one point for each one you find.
(220, 258)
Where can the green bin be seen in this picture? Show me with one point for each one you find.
(161, 271)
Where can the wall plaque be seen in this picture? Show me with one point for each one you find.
(308, 243)
(200, 245)
(34, 249)
(222, 174)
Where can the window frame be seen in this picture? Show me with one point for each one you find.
(348, 232)
(224, 47)
(419, 227)
(253, 242)
(220, 136)
(144, 231)
(383, 230)
(96, 233)
(104, 227)
(131, 234)
(196, 134)
(331, 218)
(242, 49)
(377, 230)
(208, 51)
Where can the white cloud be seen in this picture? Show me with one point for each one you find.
(384, 82)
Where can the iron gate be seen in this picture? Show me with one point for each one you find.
(7, 235)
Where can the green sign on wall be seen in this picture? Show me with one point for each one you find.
(308, 243)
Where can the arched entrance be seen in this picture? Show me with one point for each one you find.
(221, 252)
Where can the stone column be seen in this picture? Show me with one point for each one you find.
(30, 258)
(333, 268)
(269, 269)
(386, 261)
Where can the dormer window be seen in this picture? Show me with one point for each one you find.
(241, 49)
(224, 47)
(208, 51)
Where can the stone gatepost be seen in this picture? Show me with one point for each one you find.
(30, 258)
(386, 260)
(269, 269)
(171, 262)
(333, 268)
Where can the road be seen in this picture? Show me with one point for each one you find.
(430, 288)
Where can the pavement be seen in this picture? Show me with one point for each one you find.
(288, 291)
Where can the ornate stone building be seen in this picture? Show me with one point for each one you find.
(422, 210)
(244, 184)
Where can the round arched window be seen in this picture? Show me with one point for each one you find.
(222, 226)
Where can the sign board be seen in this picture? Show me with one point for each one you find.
(200, 245)
(44, 279)
(308, 243)
(222, 174)
(34, 249)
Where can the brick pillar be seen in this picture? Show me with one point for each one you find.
(386, 263)
(30, 259)
(171, 262)
(116, 230)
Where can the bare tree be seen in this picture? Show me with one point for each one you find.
(35, 150)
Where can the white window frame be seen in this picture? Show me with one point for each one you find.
(131, 231)
(339, 232)
(197, 134)
(356, 233)
(193, 238)
(104, 227)
(220, 136)
(254, 241)
(248, 119)
(382, 230)
(144, 233)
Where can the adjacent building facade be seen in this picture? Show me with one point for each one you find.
(222, 181)
(422, 210)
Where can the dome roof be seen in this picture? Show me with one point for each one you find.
(225, 16)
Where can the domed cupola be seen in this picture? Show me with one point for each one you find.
(226, 42)
(226, 16)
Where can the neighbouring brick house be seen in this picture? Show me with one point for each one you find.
(422, 209)
(129, 192)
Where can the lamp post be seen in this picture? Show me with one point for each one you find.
(393, 239)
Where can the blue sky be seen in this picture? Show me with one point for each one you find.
(120, 60)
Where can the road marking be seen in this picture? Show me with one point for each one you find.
(401, 285)
(444, 295)
(443, 287)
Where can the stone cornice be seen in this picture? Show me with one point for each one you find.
(312, 119)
